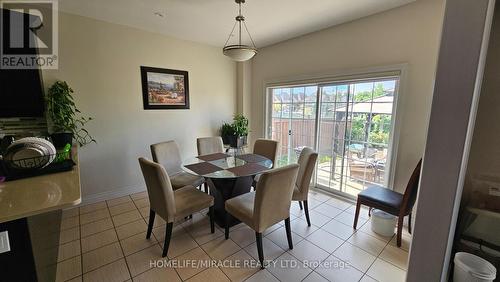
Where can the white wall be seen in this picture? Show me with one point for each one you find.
(405, 35)
(101, 63)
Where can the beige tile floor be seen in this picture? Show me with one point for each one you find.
(106, 241)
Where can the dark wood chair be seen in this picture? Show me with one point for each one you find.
(395, 203)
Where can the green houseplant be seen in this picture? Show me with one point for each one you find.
(235, 134)
(66, 122)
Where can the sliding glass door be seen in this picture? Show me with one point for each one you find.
(349, 123)
(293, 120)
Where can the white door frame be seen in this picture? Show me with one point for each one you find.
(462, 54)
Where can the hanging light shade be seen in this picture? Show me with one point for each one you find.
(240, 52)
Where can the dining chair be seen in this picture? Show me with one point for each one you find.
(169, 156)
(170, 204)
(268, 205)
(209, 145)
(267, 148)
(307, 162)
(392, 202)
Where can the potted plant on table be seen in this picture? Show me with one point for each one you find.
(235, 134)
(66, 123)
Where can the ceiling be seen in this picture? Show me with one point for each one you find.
(211, 21)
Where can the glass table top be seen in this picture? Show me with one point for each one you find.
(228, 166)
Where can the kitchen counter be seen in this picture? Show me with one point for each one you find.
(35, 195)
(30, 217)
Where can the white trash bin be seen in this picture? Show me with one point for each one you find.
(383, 223)
(471, 268)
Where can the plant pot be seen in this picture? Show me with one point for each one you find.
(61, 139)
(234, 141)
(242, 141)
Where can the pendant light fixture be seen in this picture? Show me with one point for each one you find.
(240, 52)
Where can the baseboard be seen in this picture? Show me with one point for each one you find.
(98, 197)
(332, 194)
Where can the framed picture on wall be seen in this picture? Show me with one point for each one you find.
(164, 88)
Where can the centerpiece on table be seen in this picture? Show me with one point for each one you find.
(235, 134)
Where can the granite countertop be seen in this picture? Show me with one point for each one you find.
(35, 195)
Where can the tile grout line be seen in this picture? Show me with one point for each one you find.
(118, 240)
(119, 243)
(182, 226)
(344, 241)
(81, 247)
(132, 277)
(157, 243)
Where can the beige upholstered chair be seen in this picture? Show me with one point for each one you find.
(267, 206)
(169, 204)
(267, 148)
(209, 145)
(307, 162)
(168, 155)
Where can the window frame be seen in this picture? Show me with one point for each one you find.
(347, 76)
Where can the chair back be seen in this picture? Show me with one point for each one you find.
(410, 195)
(168, 155)
(307, 162)
(267, 148)
(209, 145)
(273, 196)
(160, 192)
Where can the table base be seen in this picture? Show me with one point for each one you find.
(223, 189)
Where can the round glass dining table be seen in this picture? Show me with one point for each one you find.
(227, 177)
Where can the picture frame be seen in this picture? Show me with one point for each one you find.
(164, 89)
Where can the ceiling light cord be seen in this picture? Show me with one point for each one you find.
(249, 35)
(240, 19)
(232, 32)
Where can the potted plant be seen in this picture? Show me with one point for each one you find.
(66, 123)
(235, 134)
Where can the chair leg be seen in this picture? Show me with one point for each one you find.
(288, 233)
(306, 209)
(168, 236)
(226, 229)
(409, 223)
(356, 215)
(400, 230)
(258, 237)
(300, 205)
(150, 224)
(212, 217)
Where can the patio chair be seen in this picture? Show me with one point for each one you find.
(361, 170)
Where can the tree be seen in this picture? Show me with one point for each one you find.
(380, 129)
(378, 91)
